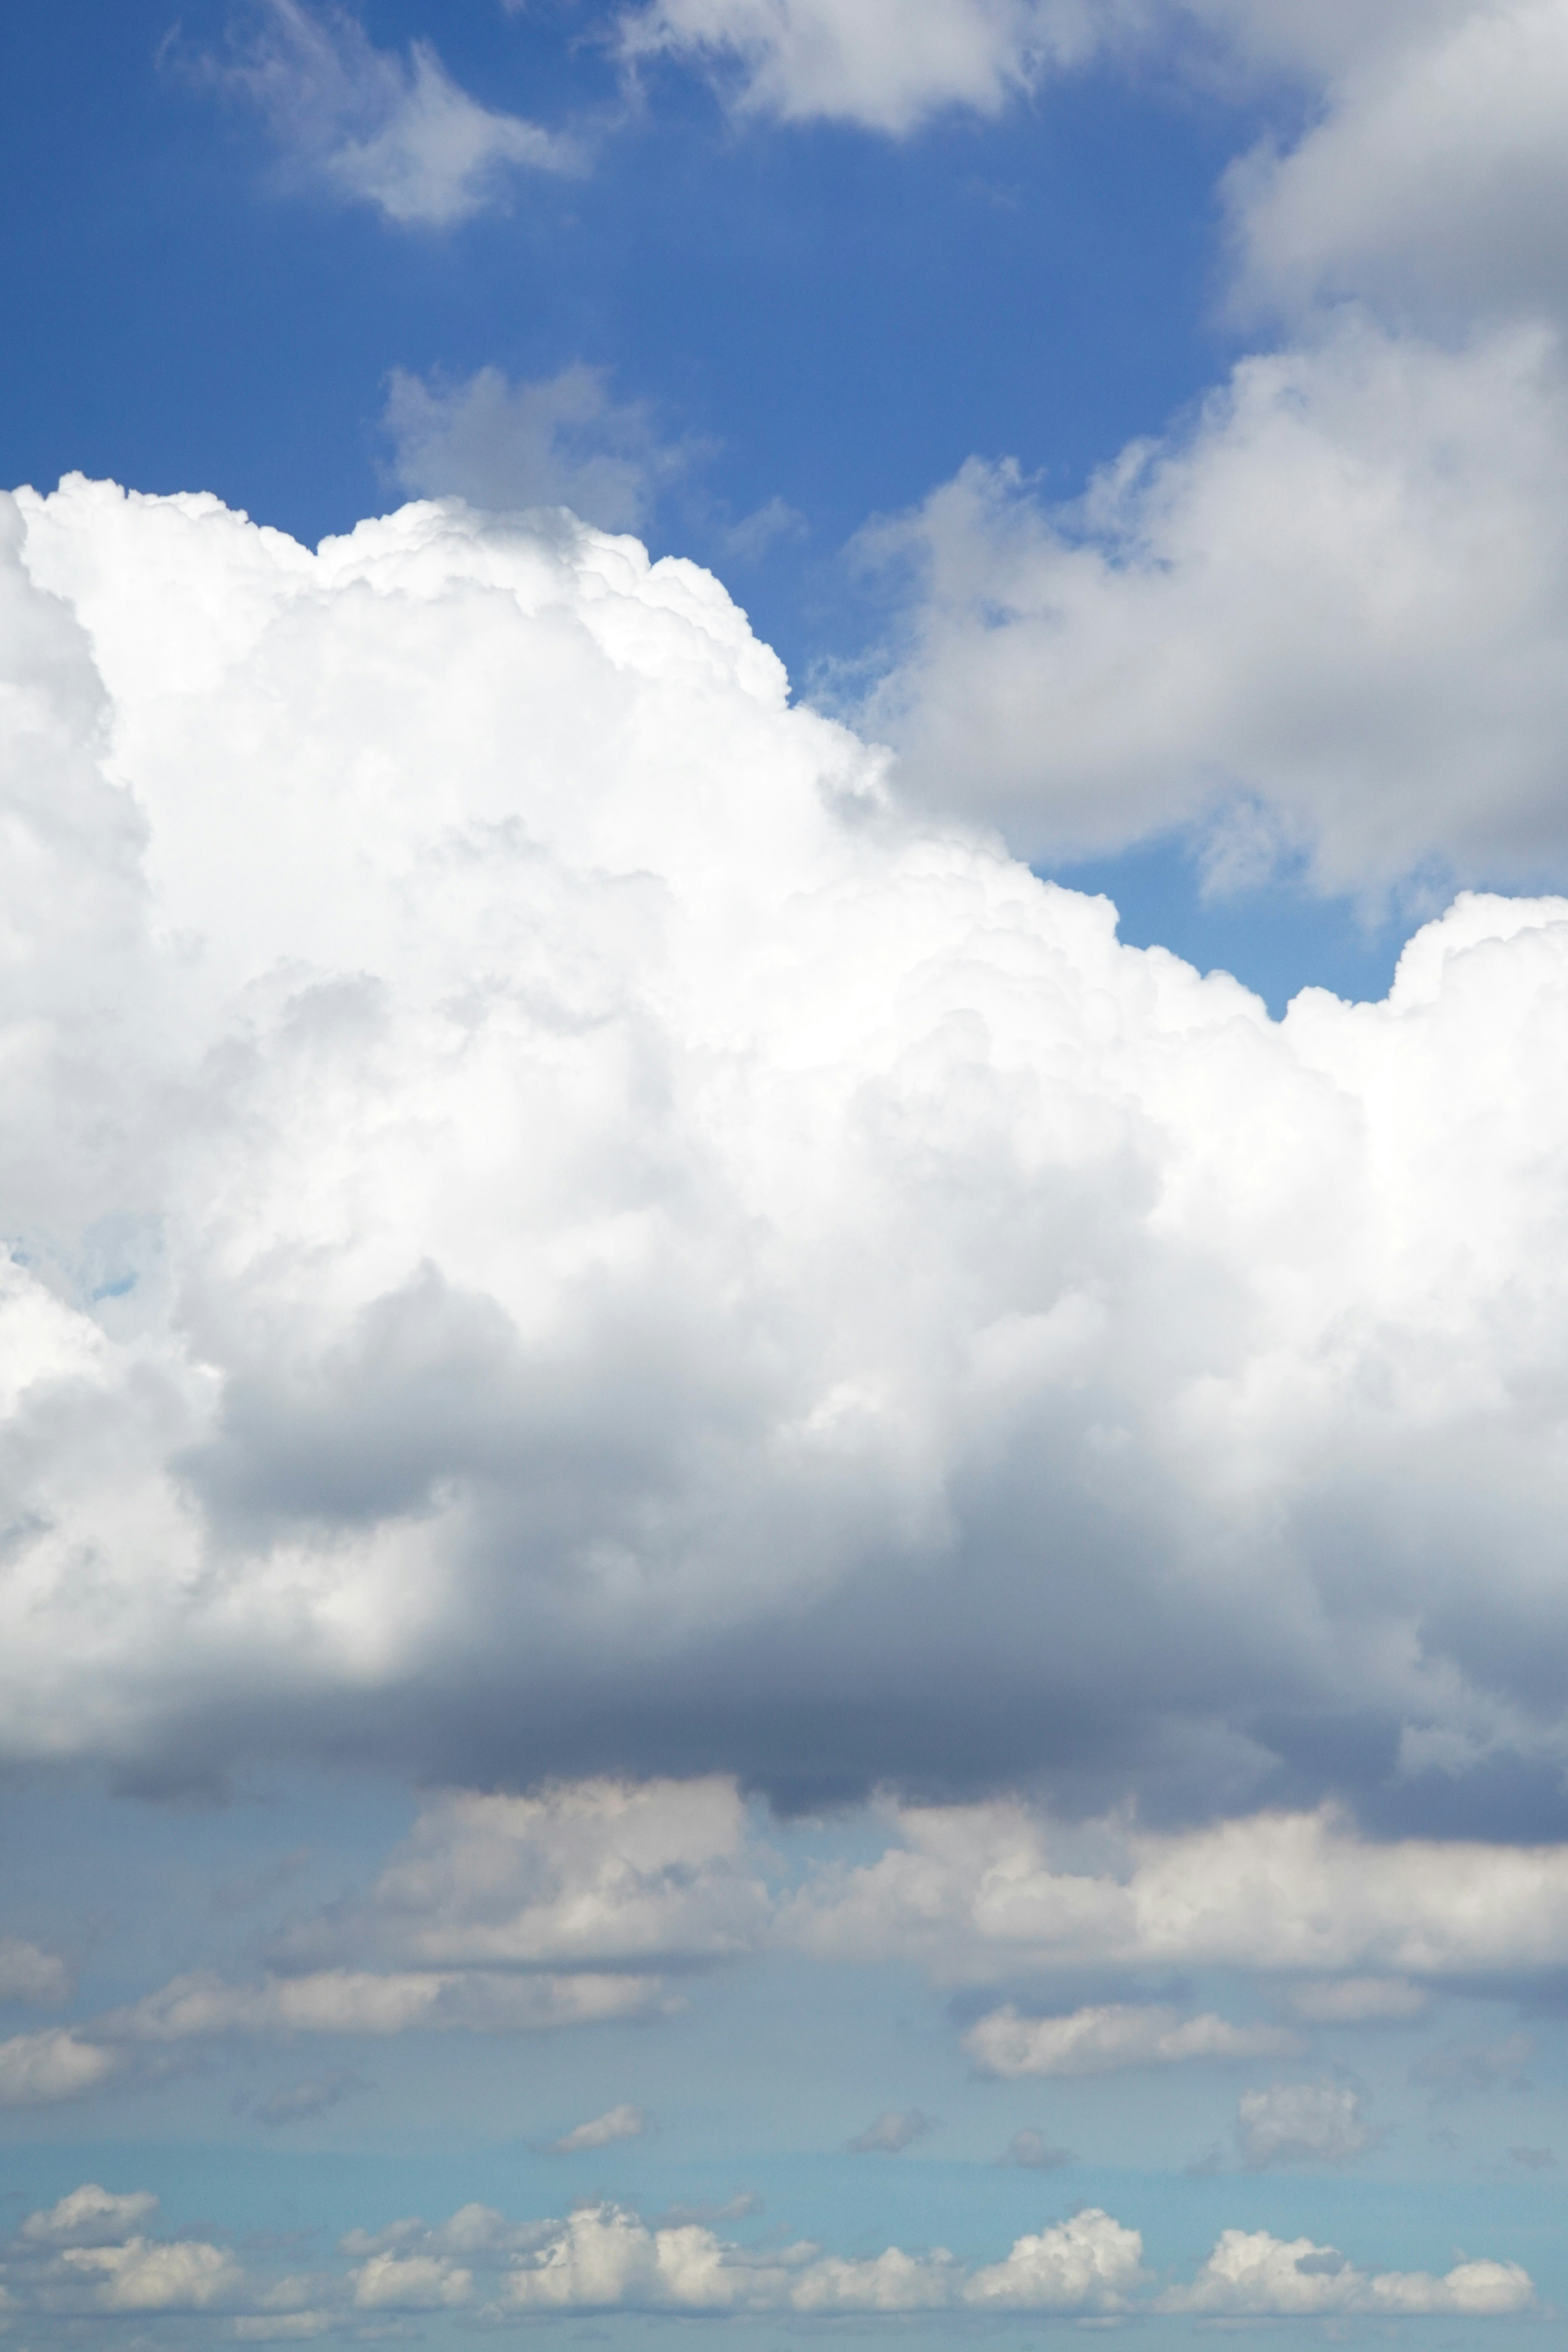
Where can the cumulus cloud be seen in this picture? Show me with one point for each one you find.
(1307, 2124)
(36, 2069)
(561, 442)
(1107, 2039)
(1432, 177)
(392, 132)
(1251, 2275)
(1323, 625)
(512, 1060)
(887, 64)
(892, 2132)
(603, 2131)
(92, 2254)
(597, 1873)
(979, 1892)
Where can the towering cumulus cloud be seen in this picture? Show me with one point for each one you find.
(547, 1222)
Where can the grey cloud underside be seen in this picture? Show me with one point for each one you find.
(555, 1231)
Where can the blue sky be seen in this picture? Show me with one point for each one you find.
(781, 1457)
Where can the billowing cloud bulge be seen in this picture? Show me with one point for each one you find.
(552, 1228)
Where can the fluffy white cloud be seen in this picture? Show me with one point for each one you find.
(36, 2069)
(594, 1872)
(884, 63)
(1327, 623)
(90, 2255)
(1250, 2274)
(603, 2131)
(603, 2258)
(1106, 2040)
(978, 1891)
(563, 442)
(542, 1210)
(1434, 174)
(1300, 2123)
(90, 2216)
(376, 127)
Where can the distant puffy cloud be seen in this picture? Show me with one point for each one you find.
(1107, 2040)
(979, 1892)
(887, 64)
(593, 1873)
(93, 2253)
(604, 2131)
(36, 2069)
(473, 1324)
(1251, 2275)
(892, 2132)
(1324, 623)
(395, 132)
(560, 442)
(1300, 2124)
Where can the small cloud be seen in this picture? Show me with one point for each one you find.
(296, 2103)
(379, 128)
(561, 442)
(90, 2216)
(1107, 2040)
(748, 541)
(1533, 2159)
(892, 2133)
(1300, 2124)
(1458, 2068)
(1358, 2000)
(30, 1974)
(1031, 2149)
(604, 2131)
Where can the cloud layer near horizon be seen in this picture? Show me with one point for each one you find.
(543, 1210)
(92, 2254)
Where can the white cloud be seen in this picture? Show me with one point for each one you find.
(1326, 622)
(604, 2131)
(90, 2216)
(1107, 2039)
(514, 1161)
(887, 64)
(26, 1973)
(501, 446)
(892, 2132)
(90, 2255)
(979, 1892)
(36, 2069)
(348, 2001)
(1250, 2274)
(187, 2275)
(1300, 2124)
(1434, 174)
(590, 1872)
(395, 132)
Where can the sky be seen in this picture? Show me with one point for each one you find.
(784, 1424)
